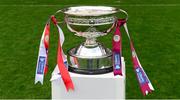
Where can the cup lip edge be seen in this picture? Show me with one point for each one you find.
(113, 11)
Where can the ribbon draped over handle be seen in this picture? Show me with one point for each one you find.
(41, 67)
(144, 82)
(117, 48)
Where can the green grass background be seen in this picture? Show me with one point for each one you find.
(154, 25)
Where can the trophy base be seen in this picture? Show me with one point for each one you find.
(90, 72)
(90, 59)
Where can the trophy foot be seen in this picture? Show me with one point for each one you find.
(90, 60)
(90, 72)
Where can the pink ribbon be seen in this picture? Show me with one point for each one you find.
(144, 82)
(117, 48)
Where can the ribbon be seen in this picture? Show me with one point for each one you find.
(61, 59)
(117, 48)
(74, 62)
(62, 65)
(144, 82)
(42, 62)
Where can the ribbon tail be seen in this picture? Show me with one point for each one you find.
(149, 84)
(42, 56)
(39, 78)
(64, 71)
(69, 86)
(144, 82)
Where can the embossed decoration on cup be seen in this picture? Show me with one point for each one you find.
(90, 57)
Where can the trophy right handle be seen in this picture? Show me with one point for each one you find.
(123, 11)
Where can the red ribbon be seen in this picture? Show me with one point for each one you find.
(62, 68)
(46, 44)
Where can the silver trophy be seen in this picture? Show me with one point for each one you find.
(90, 57)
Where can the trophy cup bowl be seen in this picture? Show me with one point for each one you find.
(90, 57)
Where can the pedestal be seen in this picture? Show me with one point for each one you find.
(91, 87)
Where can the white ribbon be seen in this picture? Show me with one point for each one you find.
(55, 74)
(41, 62)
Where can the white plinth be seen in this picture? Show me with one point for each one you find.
(91, 87)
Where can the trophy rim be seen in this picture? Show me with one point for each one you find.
(90, 10)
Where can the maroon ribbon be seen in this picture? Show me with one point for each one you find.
(117, 48)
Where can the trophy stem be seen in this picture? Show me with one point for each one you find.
(90, 42)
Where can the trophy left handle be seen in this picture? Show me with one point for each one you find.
(65, 20)
(59, 12)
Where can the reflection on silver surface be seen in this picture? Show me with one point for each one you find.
(86, 52)
(90, 10)
(92, 64)
(90, 58)
(90, 22)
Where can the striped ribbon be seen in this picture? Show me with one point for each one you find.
(144, 82)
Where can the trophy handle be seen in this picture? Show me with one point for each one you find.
(72, 30)
(123, 11)
(59, 11)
